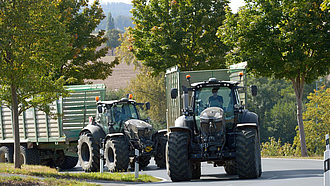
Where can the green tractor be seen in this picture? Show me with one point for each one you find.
(118, 131)
(214, 128)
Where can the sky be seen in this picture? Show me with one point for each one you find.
(234, 5)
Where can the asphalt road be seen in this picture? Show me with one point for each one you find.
(276, 172)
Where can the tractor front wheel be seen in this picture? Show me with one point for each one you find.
(179, 167)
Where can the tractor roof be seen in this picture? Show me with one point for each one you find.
(121, 101)
(214, 82)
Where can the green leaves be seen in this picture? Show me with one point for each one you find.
(281, 38)
(182, 33)
(32, 45)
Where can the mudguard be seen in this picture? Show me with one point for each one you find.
(96, 130)
(159, 132)
(113, 135)
(249, 119)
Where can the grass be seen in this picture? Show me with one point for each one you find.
(53, 176)
(296, 157)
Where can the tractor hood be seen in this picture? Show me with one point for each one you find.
(138, 128)
(212, 120)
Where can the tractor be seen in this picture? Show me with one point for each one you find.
(214, 128)
(118, 131)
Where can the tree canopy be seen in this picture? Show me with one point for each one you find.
(281, 39)
(33, 42)
(83, 61)
(182, 33)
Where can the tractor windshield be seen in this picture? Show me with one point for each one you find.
(222, 97)
(123, 112)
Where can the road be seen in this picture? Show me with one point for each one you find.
(276, 172)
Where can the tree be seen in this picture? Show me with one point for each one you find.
(83, 61)
(113, 38)
(110, 22)
(282, 39)
(122, 22)
(33, 42)
(140, 87)
(317, 121)
(182, 33)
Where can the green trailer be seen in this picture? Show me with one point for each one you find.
(174, 78)
(50, 140)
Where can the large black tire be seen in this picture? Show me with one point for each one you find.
(6, 154)
(231, 167)
(160, 156)
(88, 153)
(177, 152)
(248, 152)
(144, 161)
(117, 154)
(70, 162)
(29, 156)
(196, 170)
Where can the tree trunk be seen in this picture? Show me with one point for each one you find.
(298, 85)
(14, 107)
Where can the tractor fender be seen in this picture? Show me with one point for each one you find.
(113, 135)
(159, 132)
(96, 130)
(249, 119)
(172, 129)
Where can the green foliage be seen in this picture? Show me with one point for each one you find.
(317, 122)
(83, 60)
(32, 46)
(146, 88)
(114, 94)
(122, 22)
(182, 33)
(113, 38)
(274, 148)
(284, 39)
(110, 22)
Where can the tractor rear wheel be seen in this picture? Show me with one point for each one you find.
(231, 167)
(196, 170)
(160, 156)
(116, 154)
(177, 152)
(248, 153)
(88, 153)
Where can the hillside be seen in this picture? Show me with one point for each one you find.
(121, 75)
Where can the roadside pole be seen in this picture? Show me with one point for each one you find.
(136, 163)
(327, 162)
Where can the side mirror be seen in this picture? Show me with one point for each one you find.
(254, 90)
(174, 93)
(99, 108)
(148, 105)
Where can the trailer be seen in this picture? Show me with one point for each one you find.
(51, 139)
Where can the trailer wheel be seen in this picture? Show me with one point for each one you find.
(160, 157)
(6, 154)
(177, 162)
(231, 167)
(29, 156)
(196, 170)
(117, 154)
(247, 151)
(70, 162)
(88, 153)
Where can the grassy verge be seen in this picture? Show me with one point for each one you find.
(43, 171)
(295, 157)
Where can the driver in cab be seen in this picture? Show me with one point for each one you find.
(215, 100)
